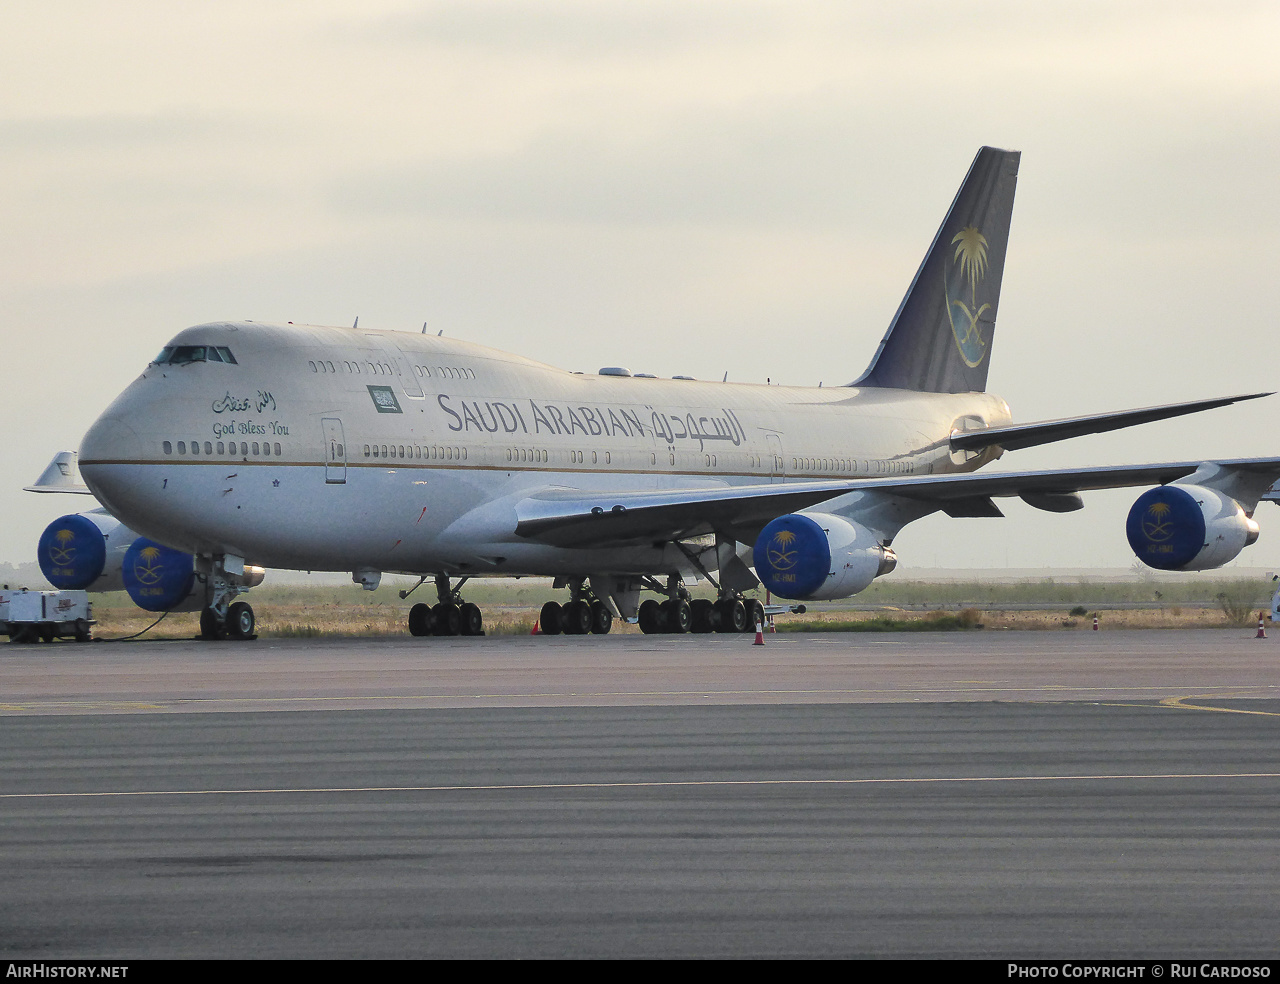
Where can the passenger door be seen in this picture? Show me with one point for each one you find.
(335, 452)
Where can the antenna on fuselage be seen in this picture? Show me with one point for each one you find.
(440, 333)
(424, 327)
(726, 376)
(356, 323)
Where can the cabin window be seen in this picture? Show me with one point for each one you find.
(208, 447)
(277, 449)
(182, 447)
(168, 447)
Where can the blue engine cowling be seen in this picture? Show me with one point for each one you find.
(158, 578)
(819, 557)
(94, 551)
(1188, 528)
(84, 551)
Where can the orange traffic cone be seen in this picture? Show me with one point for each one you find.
(536, 630)
(1262, 633)
(759, 635)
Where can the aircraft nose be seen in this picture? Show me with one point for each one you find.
(110, 439)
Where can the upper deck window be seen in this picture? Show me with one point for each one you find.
(181, 355)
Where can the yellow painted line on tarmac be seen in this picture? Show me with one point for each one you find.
(1179, 703)
(638, 784)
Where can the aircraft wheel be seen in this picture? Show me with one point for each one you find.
(421, 620)
(472, 620)
(550, 618)
(577, 618)
(733, 616)
(211, 627)
(678, 615)
(448, 619)
(240, 621)
(650, 617)
(755, 615)
(702, 614)
(601, 618)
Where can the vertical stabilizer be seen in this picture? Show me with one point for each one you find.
(940, 339)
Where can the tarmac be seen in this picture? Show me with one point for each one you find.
(1009, 795)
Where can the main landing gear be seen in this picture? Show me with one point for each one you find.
(222, 617)
(584, 614)
(450, 616)
(680, 614)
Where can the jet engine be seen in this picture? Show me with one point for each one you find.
(819, 557)
(94, 551)
(1188, 528)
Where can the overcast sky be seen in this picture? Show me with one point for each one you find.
(679, 187)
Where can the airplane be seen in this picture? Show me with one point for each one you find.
(243, 446)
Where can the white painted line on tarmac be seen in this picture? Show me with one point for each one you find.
(639, 784)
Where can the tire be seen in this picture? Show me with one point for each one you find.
(472, 620)
(22, 635)
(240, 621)
(421, 620)
(733, 616)
(448, 619)
(679, 617)
(703, 615)
(577, 618)
(211, 627)
(550, 618)
(650, 617)
(601, 618)
(755, 615)
(47, 633)
(83, 633)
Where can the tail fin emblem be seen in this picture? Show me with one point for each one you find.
(970, 263)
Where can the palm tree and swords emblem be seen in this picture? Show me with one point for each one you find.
(1157, 524)
(971, 260)
(147, 568)
(63, 552)
(782, 555)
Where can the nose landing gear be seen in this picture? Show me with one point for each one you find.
(222, 617)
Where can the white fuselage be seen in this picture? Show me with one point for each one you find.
(345, 449)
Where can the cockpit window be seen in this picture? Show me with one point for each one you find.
(181, 355)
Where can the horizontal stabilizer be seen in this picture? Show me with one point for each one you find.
(1019, 436)
(62, 475)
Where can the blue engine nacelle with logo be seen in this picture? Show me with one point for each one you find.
(93, 551)
(819, 557)
(1188, 528)
(158, 578)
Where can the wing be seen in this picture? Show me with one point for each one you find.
(575, 517)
